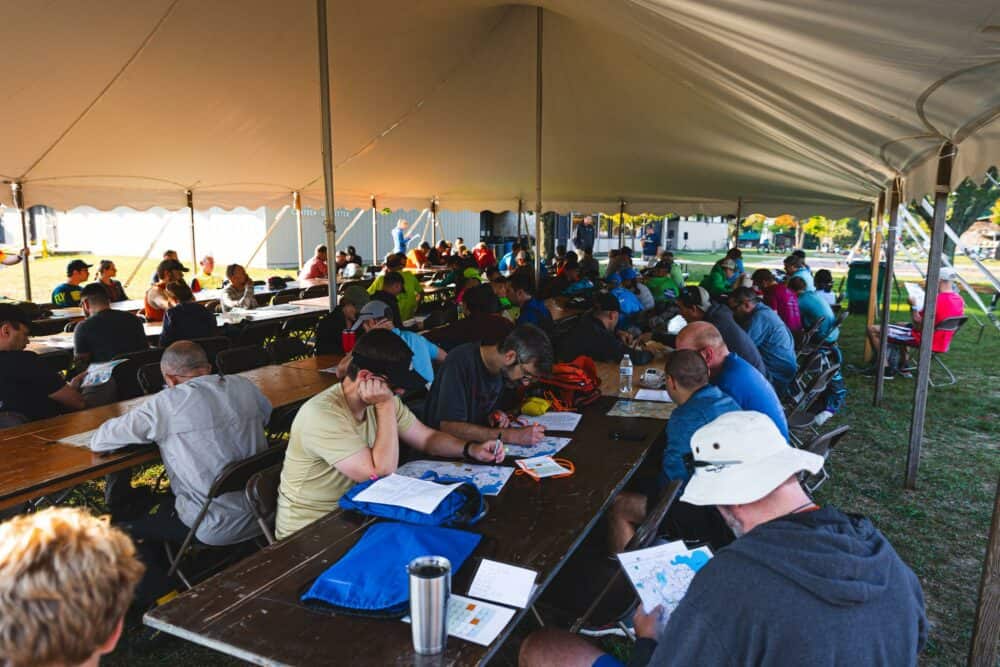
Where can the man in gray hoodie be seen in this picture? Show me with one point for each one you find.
(802, 584)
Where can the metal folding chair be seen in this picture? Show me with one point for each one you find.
(239, 359)
(948, 324)
(150, 378)
(262, 494)
(822, 445)
(212, 347)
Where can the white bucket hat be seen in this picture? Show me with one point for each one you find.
(740, 457)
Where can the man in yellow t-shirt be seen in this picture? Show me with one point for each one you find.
(206, 277)
(351, 433)
(412, 292)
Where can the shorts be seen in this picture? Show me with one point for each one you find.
(901, 334)
(608, 660)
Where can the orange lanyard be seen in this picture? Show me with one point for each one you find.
(565, 463)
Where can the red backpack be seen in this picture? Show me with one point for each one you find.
(572, 385)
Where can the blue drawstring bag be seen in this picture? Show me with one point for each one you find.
(462, 507)
(371, 579)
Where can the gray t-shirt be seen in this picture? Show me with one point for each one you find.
(463, 389)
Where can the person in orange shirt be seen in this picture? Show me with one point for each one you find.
(156, 303)
(417, 258)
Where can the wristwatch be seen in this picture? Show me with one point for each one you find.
(465, 451)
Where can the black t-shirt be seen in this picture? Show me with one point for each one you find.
(187, 321)
(26, 383)
(328, 332)
(463, 389)
(591, 338)
(108, 333)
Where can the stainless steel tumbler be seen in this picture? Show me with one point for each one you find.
(430, 588)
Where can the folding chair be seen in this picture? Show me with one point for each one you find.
(822, 445)
(262, 494)
(315, 291)
(282, 350)
(303, 328)
(284, 296)
(258, 333)
(212, 347)
(948, 324)
(150, 378)
(230, 479)
(798, 415)
(808, 344)
(239, 359)
(614, 609)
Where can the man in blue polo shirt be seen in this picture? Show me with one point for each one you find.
(732, 374)
(769, 334)
(533, 310)
(378, 315)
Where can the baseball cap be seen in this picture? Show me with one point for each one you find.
(170, 265)
(740, 457)
(695, 297)
(373, 310)
(728, 263)
(356, 295)
(628, 273)
(614, 279)
(77, 265)
(947, 273)
(11, 313)
(606, 302)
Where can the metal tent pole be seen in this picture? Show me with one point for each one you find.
(538, 148)
(434, 222)
(739, 216)
(297, 204)
(17, 192)
(374, 232)
(876, 258)
(330, 221)
(945, 160)
(890, 259)
(621, 223)
(190, 205)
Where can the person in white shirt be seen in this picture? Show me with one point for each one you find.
(239, 293)
(201, 423)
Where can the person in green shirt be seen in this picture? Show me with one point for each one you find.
(412, 292)
(717, 280)
(666, 281)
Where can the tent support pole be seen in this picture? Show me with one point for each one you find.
(17, 192)
(520, 215)
(538, 148)
(190, 205)
(330, 221)
(621, 223)
(876, 256)
(374, 233)
(890, 260)
(297, 204)
(983, 652)
(945, 160)
(739, 216)
(434, 222)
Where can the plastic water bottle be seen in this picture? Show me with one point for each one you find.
(625, 383)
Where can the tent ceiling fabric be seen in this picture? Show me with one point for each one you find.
(798, 106)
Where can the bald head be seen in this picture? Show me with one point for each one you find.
(705, 339)
(183, 361)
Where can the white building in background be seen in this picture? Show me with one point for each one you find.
(710, 234)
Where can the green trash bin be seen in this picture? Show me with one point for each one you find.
(859, 282)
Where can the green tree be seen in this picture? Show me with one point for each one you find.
(995, 213)
(967, 203)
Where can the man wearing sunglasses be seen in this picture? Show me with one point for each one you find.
(466, 393)
(352, 432)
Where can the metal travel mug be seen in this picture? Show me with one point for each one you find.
(430, 588)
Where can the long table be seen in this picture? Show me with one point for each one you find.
(252, 610)
(37, 464)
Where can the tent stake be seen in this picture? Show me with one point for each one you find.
(890, 259)
(190, 205)
(945, 160)
(297, 204)
(330, 221)
(538, 148)
(876, 259)
(18, 194)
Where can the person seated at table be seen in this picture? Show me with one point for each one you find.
(801, 584)
(28, 386)
(731, 373)
(468, 260)
(720, 278)
(506, 263)
(661, 283)
(239, 293)
(501, 288)
(351, 433)
(106, 332)
(779, 298)
(201, 423)
(617, 260)
(824, 286)
(795, 265)
(106, 272)
(569, 275)
(329, 331)
(482, 321)
(596, 335)
(454, 274)
(409, 299)
(7, 259)
(392, 287)
(698, 403)
(532, 309)
(736, 255)
(904, 336)
(695, 305)
(315, 267)
(66, 581)
(628, 303)
(206, 278)
(484, 255)
(340, 261)
(155, 302)
(814, 308)
(167, 254)
(353, 257)
(465, 397)
(186, 319)
(630, 282)
(590, 268)
(773, 339)
(67, 294)
(417, 258)
(376, 315)
(440, 253)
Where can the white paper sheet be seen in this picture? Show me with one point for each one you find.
(80, 439)
(414, 494)
(100, 373)
(489, 479)
(662, 574)
(503, 583)
(475, 621)
(658, 395)
(542, 466)
(675, 325)
(547, 446)
(916, 294)
(556, 421)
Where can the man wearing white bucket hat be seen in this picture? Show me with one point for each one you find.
(803, 585)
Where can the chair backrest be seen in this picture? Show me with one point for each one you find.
(212, 347)
(47, 327)
(282, 350)
(808, 334)
(841, 316)
(306, 324)
(951, 323)
(71, 326)
(239, 359)
(150, 378)
(284, 296)
(262, 495)
(142, 357)
(234, 476)
(315, 291)
(822, 444)
(645, 533)
(258, 333)
(126, 378)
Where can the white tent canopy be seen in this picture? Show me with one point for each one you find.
(684, 106)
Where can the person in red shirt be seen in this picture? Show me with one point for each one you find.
(315, 268)
(780, 299)
(484, 255)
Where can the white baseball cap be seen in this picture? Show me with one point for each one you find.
(740, 457)
(947, 273)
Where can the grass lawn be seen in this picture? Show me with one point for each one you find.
(940, 529)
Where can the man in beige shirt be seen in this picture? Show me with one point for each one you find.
(351, 433)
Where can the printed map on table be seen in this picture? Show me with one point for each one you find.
(547, 446)
(487, 478)
(662, 574)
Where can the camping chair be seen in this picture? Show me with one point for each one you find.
(282, 350)
(315, 291)
(212, 347)
(230, 479)
(150, 378)
(262, 494)
(239, 359)
(258, 333)
(617, 599)
(821, 445)
(947, 324)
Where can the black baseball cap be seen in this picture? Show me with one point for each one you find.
(606, 302)
(77, 265)
(11, 313)
(170, 265)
